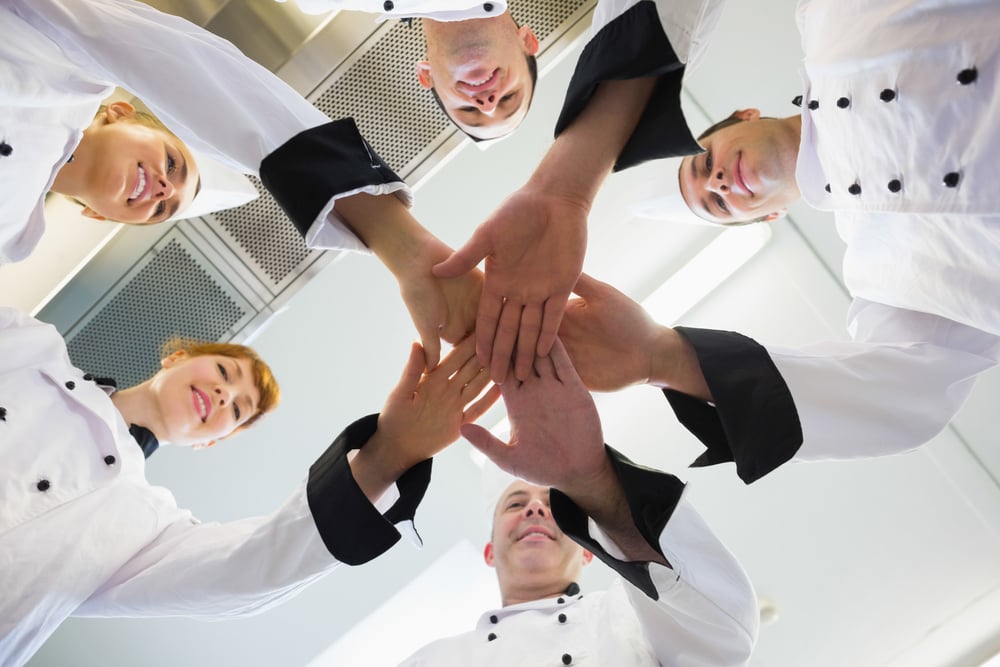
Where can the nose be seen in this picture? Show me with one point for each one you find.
(487, 101)
(535, 507)
(222, 395)
(718, 182)
(162, 188)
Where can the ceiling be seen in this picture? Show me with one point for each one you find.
(893, 561)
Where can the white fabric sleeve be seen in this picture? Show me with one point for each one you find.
(892, 388)
(215, 571)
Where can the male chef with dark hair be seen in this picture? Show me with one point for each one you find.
(897, 136)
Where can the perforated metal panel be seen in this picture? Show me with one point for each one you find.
(267, 238)
(172, 291)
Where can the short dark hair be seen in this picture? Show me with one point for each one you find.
(732, 119)
(532, 71)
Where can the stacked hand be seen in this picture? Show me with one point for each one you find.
(556, 438)
(441, 308)
(534, 246)
(610, 338)
(423, 415)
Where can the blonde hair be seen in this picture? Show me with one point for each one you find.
(263, 378)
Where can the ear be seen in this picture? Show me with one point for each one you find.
(424, 74)
(777, 215)
(167, 362)
(746, 114)
(528, 40)
(88, 212)
(117, 111)
(488, 554)
(587, 557)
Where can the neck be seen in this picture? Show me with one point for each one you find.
(71, 181)
(528, 591)
(135, 407)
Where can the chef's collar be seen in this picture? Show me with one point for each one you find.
(145, 439)
(143, 436)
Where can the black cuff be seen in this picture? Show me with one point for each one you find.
(652, 496)
(754, 421)
(632, 46)
(352, 529)
(305, 172)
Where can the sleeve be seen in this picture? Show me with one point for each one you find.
(222, 570)
(703, 608)
(892, 388)
(223, 104)
(634, 44)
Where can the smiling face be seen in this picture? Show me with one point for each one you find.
(533, 558)
(203, 398)
(131, 172)
(479, 70)
(746, 172)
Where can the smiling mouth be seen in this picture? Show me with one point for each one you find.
(740, 176)
(535, 532)
(140, 185)
(480, 86)
(201, 404)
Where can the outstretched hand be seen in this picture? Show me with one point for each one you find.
(424, 412)
(534, 246)
(556, 438)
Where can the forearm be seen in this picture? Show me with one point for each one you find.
(603, 499)
(388, 228)
(585, 152)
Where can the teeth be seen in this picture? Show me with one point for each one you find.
(201, 406)
(140, 184)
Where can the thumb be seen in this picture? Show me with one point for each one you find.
(465, 258)
(414, 368)
(493, 447)
(429, 337)
(589, 288)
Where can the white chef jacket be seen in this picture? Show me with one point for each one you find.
(438, 10)
(917, 85)
(61, 57)
(702, 612)
(83, 533)
(899, 121)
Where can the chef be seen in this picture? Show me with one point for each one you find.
(682, 597)
(224, 106)
(83, 533)
(480, 65)
(897, 126)
(896, 137)
(622, 107)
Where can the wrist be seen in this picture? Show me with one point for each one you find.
(375, 468)
(662, 351)
(388, 228)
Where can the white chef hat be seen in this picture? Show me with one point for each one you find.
(221, 189)
(656, 193)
